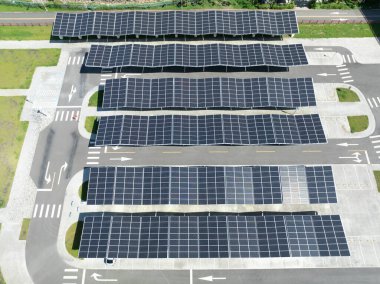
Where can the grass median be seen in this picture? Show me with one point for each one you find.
(25, 32)
(73, 236)
(358, 123)
(96, 99)
(346, 95)
(24, 229)
(17, 66)
(12, 134)
(338, 30)
(91, 124)
(377, 177)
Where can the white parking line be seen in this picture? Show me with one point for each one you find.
(47, 210)
(35, 211)
(374, 102)
(93, 158)
(71, 270)
(343, 69)
(41, 211)
(52, 211)
(348, 81)
(59, 211)
(370, 103)
(346, 77)
(107, 75)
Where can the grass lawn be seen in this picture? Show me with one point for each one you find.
(25, 32)
(73, 236)
(12, 133)
(338, 30)
(2, 281)
(24, 229)
(17, 65)
(377, 177)
(347, 95)
(83, 191)
(96, 99)
(91, 124)
(358, 123)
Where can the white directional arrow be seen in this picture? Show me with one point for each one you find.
(97, 276)
(123, 159)
(63, 168)
(354, 157)
(47, 175)
(322, 48)
(72, 92)
(326, 74)
(346, 144)
(211, 278)
(116, 148)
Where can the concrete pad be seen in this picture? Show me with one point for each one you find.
(324, 58)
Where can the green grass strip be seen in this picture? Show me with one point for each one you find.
(338, 30)
(12, 134)
(96, 99)
(346, 95)
(83, 191)
(377, 177)
(2, 281)
(73, 236)
(25, 32)
(358, 123)
(91, 124)
(24, 229)
(17, 65)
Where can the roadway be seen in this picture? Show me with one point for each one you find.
(62, 152)
(302, 14)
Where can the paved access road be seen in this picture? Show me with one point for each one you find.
(62, 152)
(302, 14)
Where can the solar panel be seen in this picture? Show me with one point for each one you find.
(218, 92)
(202, 55)
(175, 22)
(203, 185)
(209, 130)
(231, 236)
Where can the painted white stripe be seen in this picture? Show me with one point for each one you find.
(378, 99)
(68, 63)
(344, 59)
(370, 103)
(94, 147)
(62, 114)
(83, 276)
(70, 277)
(346, 77)
(72, 115)
(82, 60)
(78, 114)
(353, 59)
(74, 58)
(377, 146)
(92, 163)
(344, 73)
(340, 66)
(41, 210)
(94, 152)
(348, 59)
(52, 211)
(343, 69)
(35, 211)
(92, 158)
(79, 58)
(102, 83)
(106, 75)
(374, 102)
(348, 81)
(59, 211)
(67, 116)
(377, 152)
(373, 142)
(47, 211)
(374, 136)
(56, 115)
(71, 270)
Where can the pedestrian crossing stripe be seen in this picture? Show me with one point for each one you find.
(67, 115)
(75, 60)
(374, 102)
(48, 211)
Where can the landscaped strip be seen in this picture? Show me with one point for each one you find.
(12, 133)
(24, 229)
(347, 95)
(25, 32)
(377, 177)
(338, 30)
(73, 236)
(18, 65)
(96, 99)
(358, 123)
(91, 124)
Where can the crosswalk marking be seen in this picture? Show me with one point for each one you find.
(344, 73)
(375, 142)
(93, 158)
(340, 66)
(343, 69)
(377, 146)
(71, 270)
(346, 77)
(47, 211)
(75, 60)
(92, 163)
(70, 277)
(374, 136)
(94, 152)
(67, 115)
(370, 103)
(374, 102)
(348, 81)
(348, 58)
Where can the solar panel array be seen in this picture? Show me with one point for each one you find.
(190, 55)
(204, 185)
(141, 93)
(212, 236)
(222, 129)
(175, 22)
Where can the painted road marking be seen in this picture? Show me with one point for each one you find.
(376, 141)
(70, 277)
(377, 146)
(348, 81)
(340, 66)
(67, 115)
(41, 210)
(93, 158)
(52, 211)
(94, 152)
(346, 77)
(374, 136)
(71, 270)
(35, 211)
(92, 163)
(47, 210)
(75, 60)
(370, 103)
(344, 73)
(344, 69)
(374, 102)
(59, 211)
